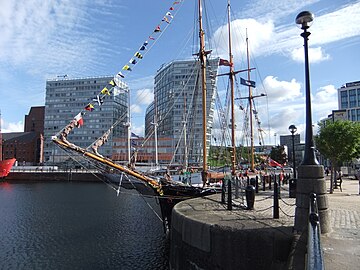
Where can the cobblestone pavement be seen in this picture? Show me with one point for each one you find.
(342, 245)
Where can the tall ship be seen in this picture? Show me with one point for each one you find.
(6, 164)
(167, 191)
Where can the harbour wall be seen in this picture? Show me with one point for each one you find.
(54, 176)
(204, 236)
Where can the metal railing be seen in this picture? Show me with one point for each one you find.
(315, 259)
(243, 192)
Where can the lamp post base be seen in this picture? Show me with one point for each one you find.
(311, 180)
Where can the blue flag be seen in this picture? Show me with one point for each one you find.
(247, 82)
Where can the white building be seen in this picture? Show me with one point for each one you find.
(66, 97)
(178, 103)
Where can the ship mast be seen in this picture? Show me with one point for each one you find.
(202, 55)
(250, 108)
(233, 157)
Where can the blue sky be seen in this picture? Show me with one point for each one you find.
(43, 39)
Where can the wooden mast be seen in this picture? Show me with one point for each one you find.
(202, 55)
(250, 108)
(233, 157)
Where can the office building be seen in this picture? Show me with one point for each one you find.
(349, 100)
(67, 97)
(177, 108)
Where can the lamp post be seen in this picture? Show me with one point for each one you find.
(304, 19)
(293, 130)
(310, 176)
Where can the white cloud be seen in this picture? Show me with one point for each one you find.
(134, 108)
(324, 101)
(139, 130)
(144, 96)
(279, 91)
(12, 127)
(315, 55)
(268, 37)
(258, 33)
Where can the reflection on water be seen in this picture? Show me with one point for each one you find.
(78, 226)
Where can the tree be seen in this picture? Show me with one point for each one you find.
(338, 141)
(278, 154)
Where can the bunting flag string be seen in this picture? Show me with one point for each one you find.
(112, 87)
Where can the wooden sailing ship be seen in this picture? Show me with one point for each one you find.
(168, 192)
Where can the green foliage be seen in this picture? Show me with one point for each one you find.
(339, 141)
(278, 154)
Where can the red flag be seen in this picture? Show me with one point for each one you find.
(224, 62)
(79, 120)
(171, 8)
(274, 163)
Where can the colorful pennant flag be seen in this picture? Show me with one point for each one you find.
(120, 75)
(126, 67)
(132, 61)
(89, 107)
(165, 19)
(99, 100)
(157, 29)
(105, 91)
(112, 82)
(138, 55)
(169, 14)
(79, 120)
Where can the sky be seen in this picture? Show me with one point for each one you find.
(41, 40)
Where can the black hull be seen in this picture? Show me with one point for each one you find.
(174, 194)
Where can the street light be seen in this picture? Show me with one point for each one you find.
(293, 130)
(310, 174)
(304, 19)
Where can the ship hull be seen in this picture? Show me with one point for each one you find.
(5, 166)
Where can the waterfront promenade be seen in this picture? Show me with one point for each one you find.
(254, 240)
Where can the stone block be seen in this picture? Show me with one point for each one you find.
(310, 171)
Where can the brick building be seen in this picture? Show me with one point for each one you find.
(27, 147)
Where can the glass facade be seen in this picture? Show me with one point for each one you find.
(349, 100)
(178, 107)
(65, 98)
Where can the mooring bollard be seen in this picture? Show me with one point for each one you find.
(276, 199)
(250, 197)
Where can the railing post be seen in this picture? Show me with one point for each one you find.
(270, 177)
(229, 201)
(315, 259)
(276, 199)
(236, 187)
(264, 177)
(223, 190)
(256, 184)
